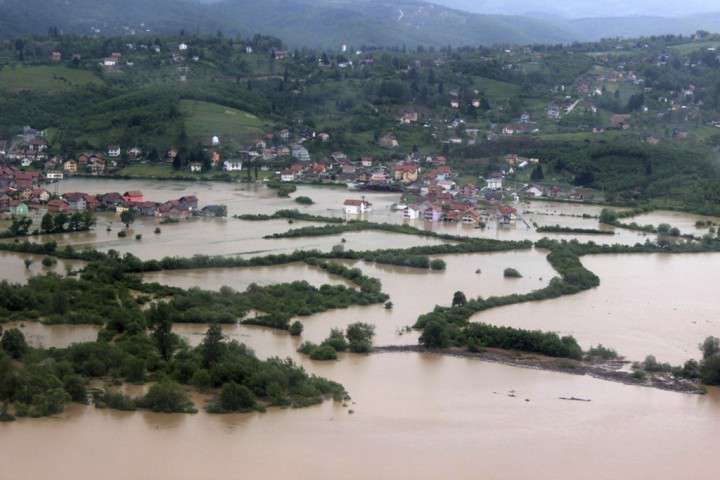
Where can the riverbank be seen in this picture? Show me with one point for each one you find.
(610, 371)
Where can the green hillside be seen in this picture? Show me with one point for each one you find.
(45, 78)
(203, 120)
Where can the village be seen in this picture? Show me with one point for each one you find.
(431, 190)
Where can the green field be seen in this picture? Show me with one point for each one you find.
(45, 78)
(687, 48)
(495, 90)
(204, 120)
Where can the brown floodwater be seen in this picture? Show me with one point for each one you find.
(417, 416)
(13, 269)
(658, 304)
(683, 221)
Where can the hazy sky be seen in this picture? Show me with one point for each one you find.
(586, 8)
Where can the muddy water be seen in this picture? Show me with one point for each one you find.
(250, 198)
(684, 221)
(413, 292)
(13, 269)
(416, 416)
(663, 305)
(39, 335)
(241, 278)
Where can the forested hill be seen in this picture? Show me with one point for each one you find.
(296, 22)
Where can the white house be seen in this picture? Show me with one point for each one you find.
(113, 151)
(182, 47)
(196, 167)
(534, 192)
(287, 176)
(215, 141)
(494, 182)
(109, 62)
(25, 162)
(357, 207)
(411, 213)
(232, 166)
(54, 176)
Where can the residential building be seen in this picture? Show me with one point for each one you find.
(114, 151)
(357, 207)
(232, 165)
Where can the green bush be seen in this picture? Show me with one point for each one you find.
(323, 353)
(296, 329)
(511, 273)
(302, 200)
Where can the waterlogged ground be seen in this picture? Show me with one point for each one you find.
(657, 304)
(415, 415)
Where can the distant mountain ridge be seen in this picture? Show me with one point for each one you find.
(327, 23)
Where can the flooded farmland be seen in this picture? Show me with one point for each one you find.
(415, 415)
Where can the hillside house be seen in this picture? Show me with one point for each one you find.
(196, 167)
(114, 151)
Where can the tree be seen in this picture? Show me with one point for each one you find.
(608, 216)
(459, 299)
(161, 321)
(296, 329)
(127, 217)
(435, 335)
(537, 173)
(234, 398)
(710, 347)
(438, 264)
(14, 344)
(20, 226)
(212, 345)
(59, 222)
(360, 337)
(168, 397)
(28, 263)
(47, 224)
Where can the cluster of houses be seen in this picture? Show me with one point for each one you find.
(37, 199)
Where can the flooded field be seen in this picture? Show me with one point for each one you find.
(14, 269)
(657, 304)
(418, 416)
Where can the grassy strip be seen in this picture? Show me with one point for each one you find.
(290, 215)
(579, 231)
